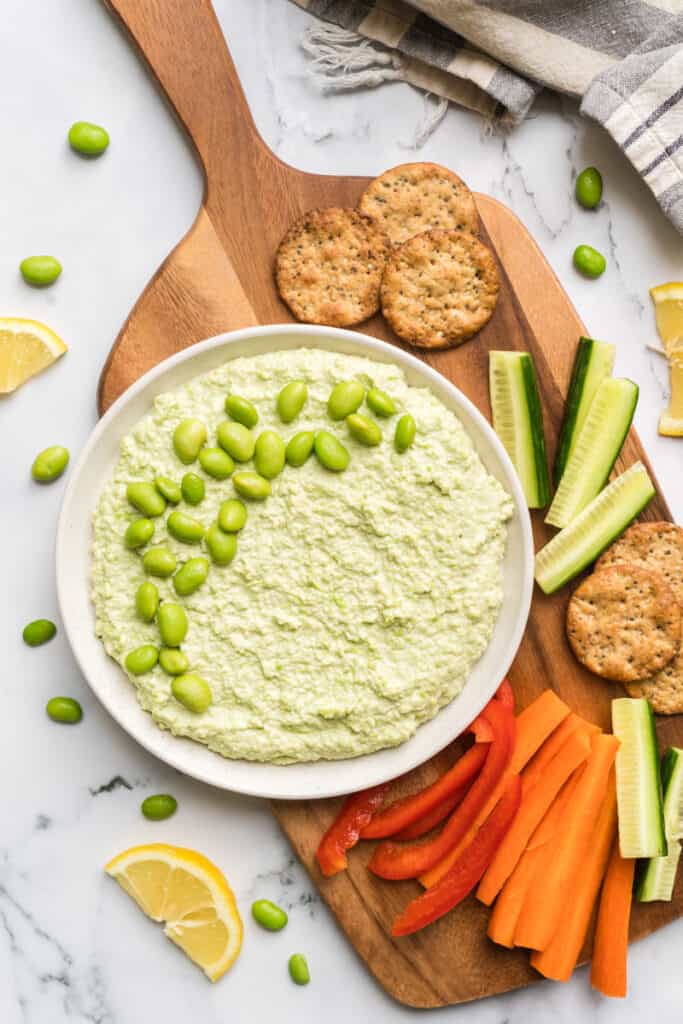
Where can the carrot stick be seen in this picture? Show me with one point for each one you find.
(558, 960)
(553, 883)
(540, 761)
(506, 911)
(508, 906)
(531, 812)
(533, 726)
(610, 950)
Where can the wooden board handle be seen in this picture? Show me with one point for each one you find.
(183, 44)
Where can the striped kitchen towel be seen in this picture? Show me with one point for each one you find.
(622, 58)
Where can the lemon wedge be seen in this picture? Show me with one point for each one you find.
(668, 301)
(190, 895)
(26, 348)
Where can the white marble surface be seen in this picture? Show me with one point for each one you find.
(72, 947)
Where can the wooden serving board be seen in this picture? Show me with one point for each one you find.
(219, 278)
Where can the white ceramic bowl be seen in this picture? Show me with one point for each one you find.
(299, 781)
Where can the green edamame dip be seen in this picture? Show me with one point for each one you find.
(357, 601)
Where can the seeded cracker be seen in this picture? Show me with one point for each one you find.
(329, 265)
(623, 623)
(439, 288)
(654, 546)
(412, 198)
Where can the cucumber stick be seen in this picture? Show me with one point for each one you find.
(596, 449)
(601, 522)
(593, 363)
(639, 786)
(518, 421)
(657, 875)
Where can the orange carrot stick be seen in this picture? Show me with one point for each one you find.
(558, 960)
(506, 911)
(540, 761)
(535, 804)
(532, 728)
(508, 906)
(610, 950)
(552, 884)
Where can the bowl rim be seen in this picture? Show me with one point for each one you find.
(283, 782)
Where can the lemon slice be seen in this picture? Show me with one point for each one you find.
(26, 348)
(668, 300)
(190, 895)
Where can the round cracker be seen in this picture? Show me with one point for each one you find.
(412, 198)
(329, 265)
(439, 288)
(654, 546)
(623, 623)
(665, 690)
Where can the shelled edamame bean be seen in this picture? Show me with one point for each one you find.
(192, 488)
(241, 410)
(168, 489)
(299, 448)
(190, 576)
(236, 439)
(146, 601)
(588, 189)
(221, 546)
(184, 528)
(405, 433)
(49, 464)
(40, 271)
(188, 438)
(269, 915)
(298, 969)
(330, 452)
(588, 261)
(142, 659)
(146, 498)
(291, 400)
(159, 561)
(138, 533)
(345, 398)
(192, 692)
(363, 429)
(159, 806)
(251, 485)
(380, 403)
(269, 454)
(172, 622)
(65, 710)
(88, 139)
(39, 632)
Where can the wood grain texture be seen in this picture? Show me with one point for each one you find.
(219, 278)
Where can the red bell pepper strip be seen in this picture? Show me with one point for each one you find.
(409, 809)
(392, 861)
(434, 817)
(345, 830)
(505, 695)
(468, 869)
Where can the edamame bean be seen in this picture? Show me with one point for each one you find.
(221, 546)
(50, 464)
(236, 439)
(190, 576)
(405, 433)
(65, 710)
(232, 515)
(193, 489)
(146, 601)
(269, 454)
(346, 397)
(40, 270)
(38, 632)
(88, 139)
(146, 499)
(188, 438)
(138, 533)
(251, 485)
(192, 692)
(241, 410)
(173, 662)
(172, 622)
(299, 448)
(142, 659)
(184, 528)
(168, 489)
(159, 562)
(269, 915)
(588, 189)
(588, 261)
(298, 969)
(330, 452)
(216, 463)
(159, 806)
(364, 429)
(380, 403)
(291, 400)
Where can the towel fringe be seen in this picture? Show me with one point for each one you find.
(342, 60)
